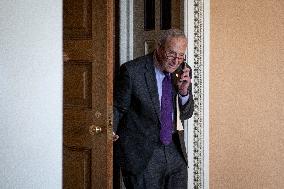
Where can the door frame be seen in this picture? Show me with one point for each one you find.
(196, 26)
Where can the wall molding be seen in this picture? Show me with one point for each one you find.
(126, 26)
(196, 26)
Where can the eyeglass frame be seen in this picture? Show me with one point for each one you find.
(173, 57)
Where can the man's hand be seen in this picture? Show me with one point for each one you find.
(184, 82)
(114, 137)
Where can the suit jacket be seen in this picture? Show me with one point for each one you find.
(137, 114)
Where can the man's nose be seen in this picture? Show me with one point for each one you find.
(176, 60)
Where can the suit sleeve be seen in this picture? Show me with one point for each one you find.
(186, 110)
(122, 96)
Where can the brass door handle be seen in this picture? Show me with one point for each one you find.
(95, 130)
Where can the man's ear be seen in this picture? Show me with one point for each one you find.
(160, 50)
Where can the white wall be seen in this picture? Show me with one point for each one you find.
(30, 94)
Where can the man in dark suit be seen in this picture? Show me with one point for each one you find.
(147, 106)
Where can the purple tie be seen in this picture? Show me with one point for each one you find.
(166, 110)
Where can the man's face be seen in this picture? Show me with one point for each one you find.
(172, 54)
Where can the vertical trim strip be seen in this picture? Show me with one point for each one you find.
(196, 20)
(126, 31)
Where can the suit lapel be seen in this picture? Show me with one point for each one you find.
(152, 84)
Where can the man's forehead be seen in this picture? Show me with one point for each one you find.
(176, 44)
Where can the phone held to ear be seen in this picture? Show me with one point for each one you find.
(179, 71)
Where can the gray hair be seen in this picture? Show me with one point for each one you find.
(170, 34)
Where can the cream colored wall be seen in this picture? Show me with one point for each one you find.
(246, 94)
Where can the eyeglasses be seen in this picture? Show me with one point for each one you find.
(171, 55)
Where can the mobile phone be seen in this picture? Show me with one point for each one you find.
(179, 70)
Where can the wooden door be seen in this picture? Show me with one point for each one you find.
(150, 19)
(88, 78)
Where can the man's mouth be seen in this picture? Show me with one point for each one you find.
(172, 66)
